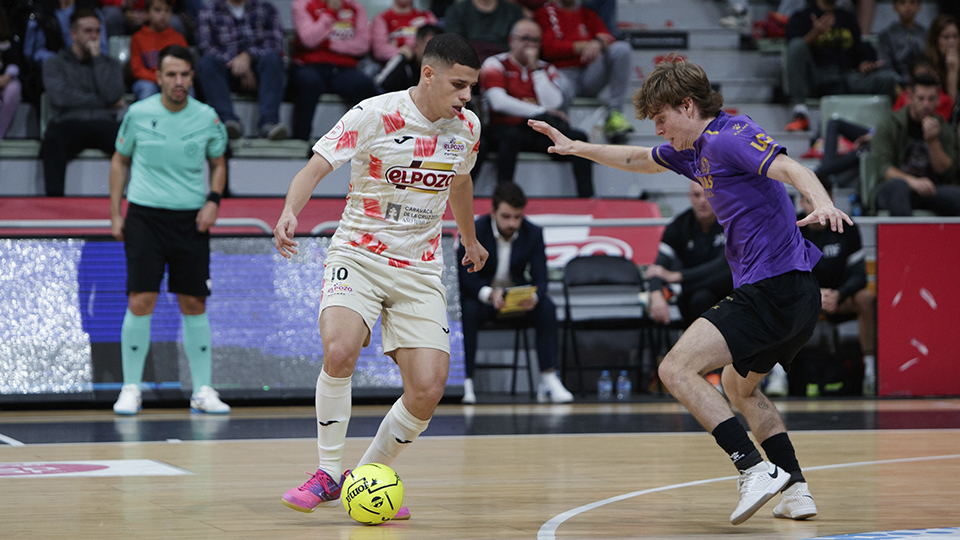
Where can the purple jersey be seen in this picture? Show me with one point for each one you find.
(730, 160)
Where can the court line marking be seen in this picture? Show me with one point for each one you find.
(10, 440)
(548, 530)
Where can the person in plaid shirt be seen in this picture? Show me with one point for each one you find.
(241, 48)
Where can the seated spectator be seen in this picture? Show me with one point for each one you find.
(916, 153)
(146, 44)
(842, 163)
(395, 30)
(9, 71)
(125, 17)
(331, 36)
(843, 283)
(485, 23)
(516, 86)
(825, 55)
(401, 72)
(943, 51)
(241, 44)
(922, 66)
(899, 44)
(516, 251)
(85, 88)
(691, 253)
(47, 33)
(591, 59)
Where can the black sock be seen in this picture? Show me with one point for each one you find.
(731, 436)
(780, 452)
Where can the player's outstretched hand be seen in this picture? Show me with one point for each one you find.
(824, 214)
(283, 235)
(475, 255)
(561, 144)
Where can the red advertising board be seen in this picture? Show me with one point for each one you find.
(575, 237)
(918, 310)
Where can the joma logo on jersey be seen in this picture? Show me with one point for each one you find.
(421, 175)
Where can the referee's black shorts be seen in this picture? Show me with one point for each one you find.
(156, 237)
(767, 322)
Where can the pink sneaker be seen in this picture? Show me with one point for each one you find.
(402, 514)
(319, 490)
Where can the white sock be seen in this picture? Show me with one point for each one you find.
(398, 425)
(869, 365)
(333, 415)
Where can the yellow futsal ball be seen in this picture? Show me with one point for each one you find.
(372, 493)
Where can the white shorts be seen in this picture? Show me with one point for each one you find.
(413, 305)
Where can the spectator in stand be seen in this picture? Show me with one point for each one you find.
(146, 44)
(825, 55)
(865, 10)
(591, 59)
(401, 72)
(916, 153)
(10, 49)
(125, 17)
(922, 66)
(516, 86)
(85, 87)
(899, 44)
(241, 43)
(516, 251)
(842, 275)
(691, 253)
(395, 30)
(943, 50)
(485, 23)
(331, 36)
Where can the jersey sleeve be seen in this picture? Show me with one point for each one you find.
(677, 161)
(217, 144)
(344, 140)
(748, 149)
(472, 123)
(126, 136)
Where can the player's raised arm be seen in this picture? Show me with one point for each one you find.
(461, 202)
(626, 158)
(299, 192)
(788, 171)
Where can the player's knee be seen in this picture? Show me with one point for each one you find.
(141, 304)
(339, 358)
(669, 370)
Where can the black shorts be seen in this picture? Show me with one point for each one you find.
(767, 322)
(154, 238)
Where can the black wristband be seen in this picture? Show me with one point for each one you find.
(214, 197)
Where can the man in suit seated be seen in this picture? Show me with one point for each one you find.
(516, 250)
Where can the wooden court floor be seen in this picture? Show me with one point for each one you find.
(663, 485)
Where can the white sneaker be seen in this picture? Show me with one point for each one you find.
(551, 389)
(207, 400)
(468, 396)
(130, 400)
(757, 485)
(796, 503)
(776, 382)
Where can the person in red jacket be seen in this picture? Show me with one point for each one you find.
(146, 44)
(576, 41)
(395, 30)
(331, 36)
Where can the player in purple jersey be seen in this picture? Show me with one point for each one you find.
(776, 303)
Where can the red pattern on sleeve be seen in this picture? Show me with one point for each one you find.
(347, 140)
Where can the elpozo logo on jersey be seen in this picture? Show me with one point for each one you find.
(454, 147)
(425, 176)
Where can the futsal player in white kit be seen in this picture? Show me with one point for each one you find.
(410, 152)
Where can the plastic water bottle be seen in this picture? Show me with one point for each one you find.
(605, 386)
(624, 386)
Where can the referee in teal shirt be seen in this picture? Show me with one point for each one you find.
(161, 146)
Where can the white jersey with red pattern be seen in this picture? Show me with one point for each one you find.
(401, 169)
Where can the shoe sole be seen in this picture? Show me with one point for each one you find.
(305, 510)
(805, 513)
(773, 490)
(126, 413)
(201, 411)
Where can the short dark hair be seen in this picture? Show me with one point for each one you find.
(428, 30)
(176, 51)
(450, 49)
(924, 79)
(82, 13)
(148, 3)
(510, 193)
